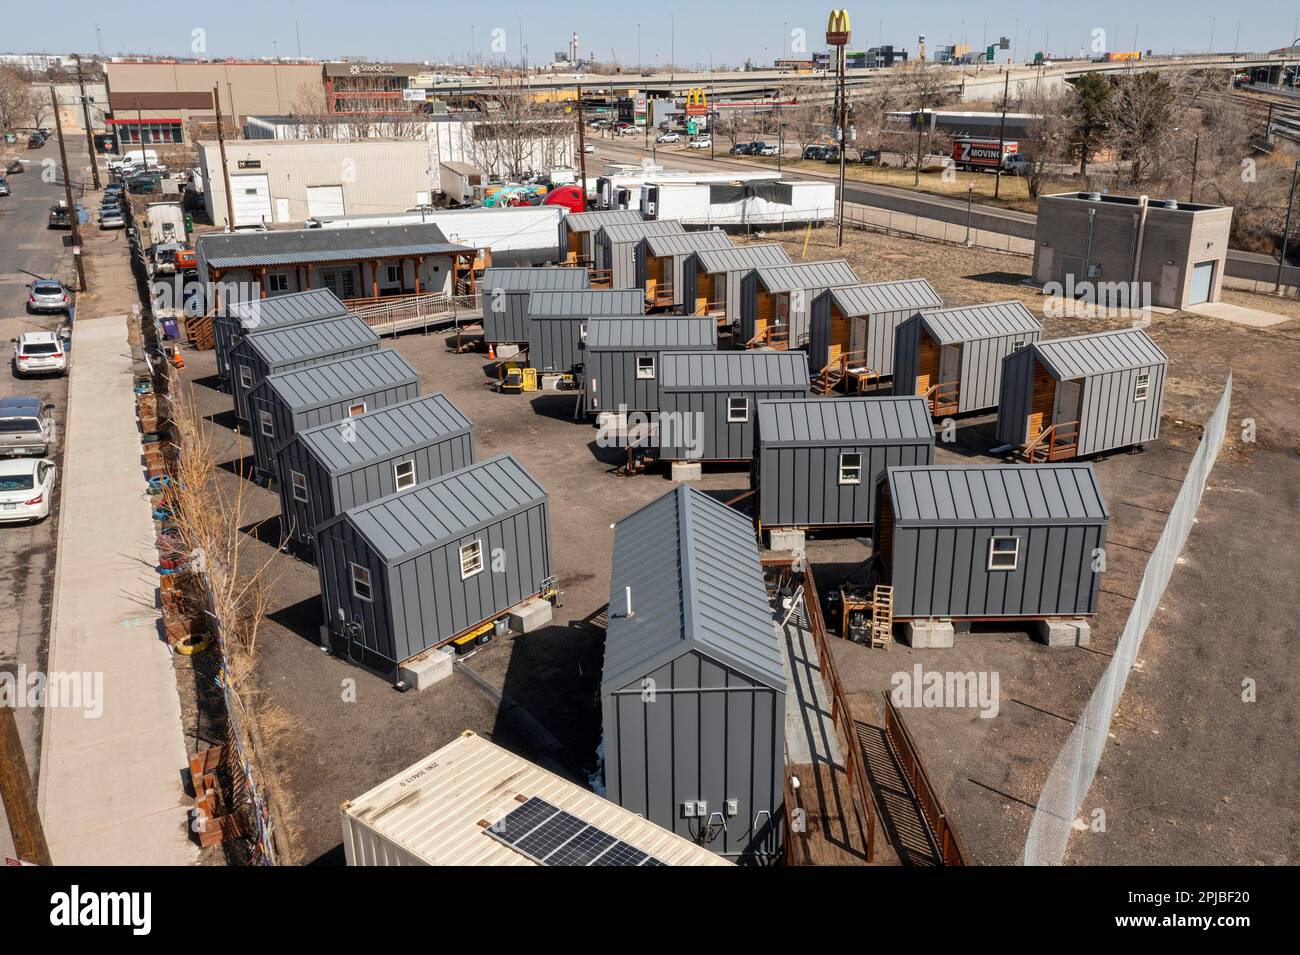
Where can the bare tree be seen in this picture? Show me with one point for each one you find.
(1046, 141)
(1143, 112)
(519, 135)
(21, 105)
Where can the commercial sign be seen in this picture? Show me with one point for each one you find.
(415, 96)
(837, 28)
(696, 102)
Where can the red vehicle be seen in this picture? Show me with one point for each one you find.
(570, 197)
(976, 154)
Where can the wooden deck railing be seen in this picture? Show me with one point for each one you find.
(662, 295)
(942, 398)
(1054, 442)
(946, 841)
(600, 278)
(773, 336)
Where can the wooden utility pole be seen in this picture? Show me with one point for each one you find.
(67, 192)
(582, 149)
(844, 113)
(85, 113)
(225, 172)
(1002, 132)
(16, 792)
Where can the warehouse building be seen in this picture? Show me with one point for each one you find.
(623, 354)
(432, 813)
(991, 543)
(237, 319)
(776, 301)
(287, 181)
(707, 400)
(505, 298)
(851, 339)
(578, 231)
(1084, 395)
(953, 356)
(702, 752)
(661, 258)
(818, 460)
(712, 278)
(557, 322)
(1131, 252)
(415, 569)
(292, 401)
(615, 247)
(263, 353)
(360, 266)
(325, 470)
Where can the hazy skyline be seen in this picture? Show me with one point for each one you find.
(699, 34)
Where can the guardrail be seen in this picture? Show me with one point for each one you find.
(406, 312)
(946, 841)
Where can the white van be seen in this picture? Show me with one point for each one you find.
(133, 156)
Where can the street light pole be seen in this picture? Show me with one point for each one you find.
(85, 113)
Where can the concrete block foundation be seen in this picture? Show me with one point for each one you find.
(430, 667)
(928, 634)
(530, 615)
(1058, 632)
(786, 539)
(687, 471)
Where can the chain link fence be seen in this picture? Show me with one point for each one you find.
(1075, 768)
(919, 227)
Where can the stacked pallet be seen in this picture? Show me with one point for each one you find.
(212, 822)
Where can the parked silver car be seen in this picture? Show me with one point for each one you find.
(47, 295)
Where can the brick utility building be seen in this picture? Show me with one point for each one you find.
(1177, 249)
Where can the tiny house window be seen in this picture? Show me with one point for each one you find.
(361, 583)
(1018, 344)
(246, 376)
(850, 468)
(1142, 387)
(299, 482)
(645, 366)
(266, 423)
(278, 281)
(471, 560)
(403, 474)
(737, 410)
(357, 410)
(1004, 553)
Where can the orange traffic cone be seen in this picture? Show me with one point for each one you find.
(177, 359)
(492, 355)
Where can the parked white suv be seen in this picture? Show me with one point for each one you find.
(26, 486)
(38, 353)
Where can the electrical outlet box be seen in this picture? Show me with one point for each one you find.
(702, 808)
(688, 809)
(733, 808)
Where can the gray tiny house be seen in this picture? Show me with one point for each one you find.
(1084, 395)
(776, 301)
(415, 569)
(953, 356)
(578, 229)
(693, 686)
(233, 321)
(291, 401)
(707, 400)
(259, 354)
(853, 326)
(505, 298)
(615, 246)
(623, 355)
(818, 459)
(660, 260)
(989, 543)
(711, 278)
(327, 469)
(556, 322)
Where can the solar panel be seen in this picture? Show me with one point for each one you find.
(550, 836)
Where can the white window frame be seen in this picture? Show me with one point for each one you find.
(245, 376)
(644, 373)
(393, 273)
(731, 415)
(353, 412)
(1013, 554)
(475, 553)
(1142, 386)
(1018, 344)
(298, 482)
(856, 469)
(398, 476)
(266, 424)
(277, 282)
(369, 595)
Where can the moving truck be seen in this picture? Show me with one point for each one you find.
(977, 154)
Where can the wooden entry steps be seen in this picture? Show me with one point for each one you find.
(1057, 442)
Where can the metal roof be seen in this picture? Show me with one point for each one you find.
(636, 231)
(733, 370)
(680, 243)
(583, 303)
(414, 521)
(385, 432)
(697, 583)
(998, 494)
(807, 422)
(229, 250)
(278, 310)
(873, 298)
(305, 340)
(595, 221)
(968, 323)
(651, 332)
(434, 809)
(804, 275)
(315, 385)
(525, 280)
(1099, 353)
(741, 258)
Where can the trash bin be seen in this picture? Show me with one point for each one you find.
(171, 328)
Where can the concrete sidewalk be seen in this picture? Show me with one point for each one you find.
(110, 786)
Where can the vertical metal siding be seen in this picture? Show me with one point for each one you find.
(1016, 395)
(907, 355)
(1110, 418)
(799, 487)
(721, 440)
(510, 323)
(981, 369)
(553, 343)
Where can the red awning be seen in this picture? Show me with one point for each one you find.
(147, 119)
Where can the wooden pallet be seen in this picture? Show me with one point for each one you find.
(198, 331)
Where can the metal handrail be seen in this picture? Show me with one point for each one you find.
(946, 840)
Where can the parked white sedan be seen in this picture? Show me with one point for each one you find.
(26, 486)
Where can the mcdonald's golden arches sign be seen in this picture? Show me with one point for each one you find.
(696, 104)
(837, 28)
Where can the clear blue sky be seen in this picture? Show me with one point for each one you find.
(727, 33)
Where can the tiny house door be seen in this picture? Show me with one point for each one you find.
(1068, 397)
(949, 363)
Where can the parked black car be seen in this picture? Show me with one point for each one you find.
(60, 217)
(742, 149)
(831, 154)
(814, 152)
(870, 157)
(36, 141)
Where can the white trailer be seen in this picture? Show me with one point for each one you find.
(739, 202)
(517, 235)
(166, 222)
(624, 192)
